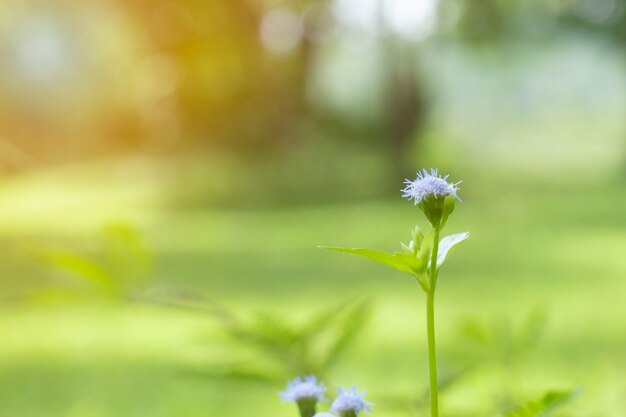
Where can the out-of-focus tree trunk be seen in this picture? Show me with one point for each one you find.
(406, 103)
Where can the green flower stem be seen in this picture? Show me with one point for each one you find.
(430, 328)
(432, 355)
(433, 260)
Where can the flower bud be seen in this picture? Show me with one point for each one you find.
(350, 403)
(305, 393)
(429, 192)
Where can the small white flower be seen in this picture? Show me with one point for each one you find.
(308, 388)
(324, 415)
(351, 400)
(428, 183)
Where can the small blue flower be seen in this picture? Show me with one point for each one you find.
(300, 389)
(429, 183)
(351, 400)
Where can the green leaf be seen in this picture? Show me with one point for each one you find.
(447, 243)
(418, 238)
(426, 247)
(406, 249)
(545, 406)
(80, 266)
(401, 261)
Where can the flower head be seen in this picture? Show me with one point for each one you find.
(351, 401)
(324, 415)
(300, 389)
(429, 183)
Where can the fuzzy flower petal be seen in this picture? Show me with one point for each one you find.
(324, 415)
(308, 388)
(429, 183)
(351, 400)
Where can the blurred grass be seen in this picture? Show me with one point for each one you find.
(556, 247)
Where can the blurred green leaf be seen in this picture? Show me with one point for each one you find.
(500, 341)
(446, 381)
(271, 329)
(297, 349)
(319, 321)
(544, 406)
(413, 401)
(119, 261)
(348, 328)
(79, 266)
(125, 252)
(474, 331)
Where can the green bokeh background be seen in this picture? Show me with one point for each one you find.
(220, 191)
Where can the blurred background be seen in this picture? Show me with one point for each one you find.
(168, 167)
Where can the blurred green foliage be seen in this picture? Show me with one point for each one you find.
(284, 349)
(545, 406)
(119, 263)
